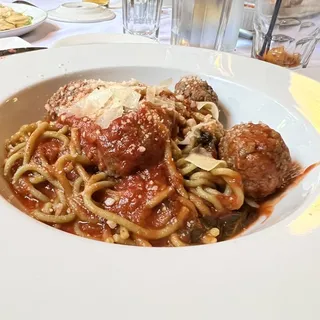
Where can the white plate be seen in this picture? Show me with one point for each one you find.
(269, 274)
(100, 38)
(81, 12)
(38, 15)
(13, 42)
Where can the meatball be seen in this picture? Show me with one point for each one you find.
(118, 132)
(259, 154)
(195, 89)
(74, 91)
(130, 143)
(70, 94)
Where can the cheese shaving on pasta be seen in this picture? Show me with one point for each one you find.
(105, 104)
(204, 160)
(212, 107)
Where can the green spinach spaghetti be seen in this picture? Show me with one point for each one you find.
(133, 164)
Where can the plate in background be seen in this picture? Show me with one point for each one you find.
(38, 15)
(81, 12)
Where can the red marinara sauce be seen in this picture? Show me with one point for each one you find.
(133, 193)
(132, 142)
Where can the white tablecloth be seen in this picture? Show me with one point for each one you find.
(51, 31)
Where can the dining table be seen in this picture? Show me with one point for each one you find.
(44, 278)
(51, 31)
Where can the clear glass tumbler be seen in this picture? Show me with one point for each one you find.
(211, 24)
(292, 39)
(141, 17)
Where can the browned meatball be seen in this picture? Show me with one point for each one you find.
(74, 91)
(259, 154)
(132, 142)
(195, 89)
(69, 94)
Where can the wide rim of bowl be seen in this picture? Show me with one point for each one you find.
(100, 38)
(265, 261)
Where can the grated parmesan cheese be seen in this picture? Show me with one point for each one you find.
(109, 202)
(211, 106)
(105, 104)
(203, 160)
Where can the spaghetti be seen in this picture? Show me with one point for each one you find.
(174, 201)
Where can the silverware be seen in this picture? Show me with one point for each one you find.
(24, 2)
(8, 52)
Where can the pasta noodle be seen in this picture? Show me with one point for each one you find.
(47, 166)
(10, 19)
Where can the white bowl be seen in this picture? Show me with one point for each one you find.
(271, 273)
(38, 15)
(100, 38)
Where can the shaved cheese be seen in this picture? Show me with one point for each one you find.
(203, 160)
(212, 107)
(106, 104)
(106, 118)
(125, 96)
(91, 104)
(165, 102)
(151, 94)
(166, 83)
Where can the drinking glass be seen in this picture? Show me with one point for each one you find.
(296, 31)
(212, 24)
(141, 17)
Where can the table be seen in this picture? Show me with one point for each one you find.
(51, 31)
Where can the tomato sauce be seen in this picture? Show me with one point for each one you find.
(268, 205)
(132, 142)
(50, 150)
(135, 191)
(131, 197)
